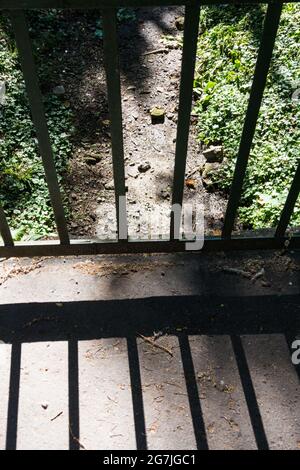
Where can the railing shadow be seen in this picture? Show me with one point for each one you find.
(249, 392)
(137, 394)
(13, 402)
(74, 429)
(196, 315)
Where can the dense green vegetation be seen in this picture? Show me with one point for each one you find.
(227, 49)
(23, 190)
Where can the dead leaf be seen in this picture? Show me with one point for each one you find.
(191, 183)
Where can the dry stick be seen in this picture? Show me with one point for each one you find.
(157, 150)
(174, 385)
(260, 273)
(229, 421)
(155, 51)
(238, 271)
(57, 416)
(76, 438)
(111, 399)
(156, 345)
(191, 173)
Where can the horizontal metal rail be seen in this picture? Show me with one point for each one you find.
(88, 247)
(94, 4)
(111, 56)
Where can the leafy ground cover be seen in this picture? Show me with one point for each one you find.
(24, 194)
(227, 49)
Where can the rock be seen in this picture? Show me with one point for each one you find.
(214, 154)
(157, 115)
(59, 90)
(165, 194)
(207, 171)
(110, 186)
(209, 168)
(143, 167)
(91, 160)
(179, 23)
(133, 172)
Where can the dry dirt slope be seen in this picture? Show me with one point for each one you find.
(150, 64)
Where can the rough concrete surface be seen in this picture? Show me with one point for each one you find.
(158, 352)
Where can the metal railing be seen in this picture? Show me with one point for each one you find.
(65, 246)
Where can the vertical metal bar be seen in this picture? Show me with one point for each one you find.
(191, 26)
(289, 205)
(4, 229)
(39, 119)
(259, 81)
(112, 69)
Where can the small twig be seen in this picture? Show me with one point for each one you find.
(99, 349)
(191, 173)
(157, 150)
(156, 51)
(229, 421)
(226, 419)
(156, 398)
(238, 271)
(155, 345)
(76, 438)
(260, 273)
(149, 370)
(174, 385)
(111, 399)
(57, 416)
